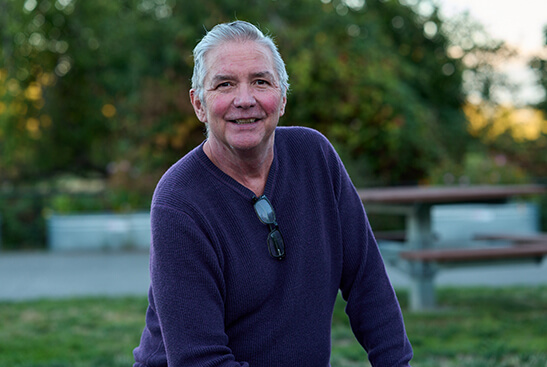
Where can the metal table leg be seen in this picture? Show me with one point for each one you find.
(420, 236)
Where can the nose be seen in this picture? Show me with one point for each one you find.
(244, 97)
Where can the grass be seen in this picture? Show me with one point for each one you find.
(474, 327)
(98, 332)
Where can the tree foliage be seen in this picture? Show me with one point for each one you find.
(517, 134)
(482, 55)
(539, 65)
(100, 88)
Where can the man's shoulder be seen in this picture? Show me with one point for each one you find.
(184, 167)
(303, 137)
(305, 146)
(181, 178)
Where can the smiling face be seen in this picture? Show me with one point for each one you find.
(242, 100)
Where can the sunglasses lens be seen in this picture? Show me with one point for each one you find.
(264, 211)
(276, 245)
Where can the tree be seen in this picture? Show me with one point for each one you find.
(100, 88)
(516, 133)
(539, 65)
(481, 55)
(384, 88)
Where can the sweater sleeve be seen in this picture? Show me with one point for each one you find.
(372, 306)
(187, 297)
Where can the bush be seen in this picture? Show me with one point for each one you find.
(23, 215)
(22, 222)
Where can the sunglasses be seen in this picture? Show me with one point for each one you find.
(265, 212)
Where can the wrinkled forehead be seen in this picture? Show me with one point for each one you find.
(230, 57)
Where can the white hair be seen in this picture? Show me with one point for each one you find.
(234, 31)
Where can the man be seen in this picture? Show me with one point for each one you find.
(255, 231)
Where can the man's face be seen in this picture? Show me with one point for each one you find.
(243, 99)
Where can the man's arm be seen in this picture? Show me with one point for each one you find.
(373, 309)
(185, 320)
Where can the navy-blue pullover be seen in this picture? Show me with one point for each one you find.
(217, 297)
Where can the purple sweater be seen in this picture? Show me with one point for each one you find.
(217, 297)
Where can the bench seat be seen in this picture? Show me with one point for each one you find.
(531, 251)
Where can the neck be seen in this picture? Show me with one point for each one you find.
(249, 168)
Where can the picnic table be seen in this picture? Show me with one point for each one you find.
(421, 253)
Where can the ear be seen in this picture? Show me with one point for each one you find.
(199, 107)
(282, 107)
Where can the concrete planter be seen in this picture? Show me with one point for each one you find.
(85, 232)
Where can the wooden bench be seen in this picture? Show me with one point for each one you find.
(422, 265)
(444, 256)
(440, 223)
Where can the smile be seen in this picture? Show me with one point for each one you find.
(244, 121)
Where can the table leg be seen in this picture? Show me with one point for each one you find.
(422, 289)
(420, 236)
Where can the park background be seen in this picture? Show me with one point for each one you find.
(94, 108)
(94, 100)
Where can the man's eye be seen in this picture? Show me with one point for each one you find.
(224, 85)
(261, 82)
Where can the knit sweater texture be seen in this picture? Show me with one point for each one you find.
(217, 297)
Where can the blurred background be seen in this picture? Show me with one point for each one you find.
(94, 100)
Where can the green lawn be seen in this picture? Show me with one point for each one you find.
(474, 327)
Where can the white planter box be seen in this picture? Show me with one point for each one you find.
(98, 232)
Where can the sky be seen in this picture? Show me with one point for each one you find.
(520, 24)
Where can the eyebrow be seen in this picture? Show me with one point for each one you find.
(260, 74)
(220, 77)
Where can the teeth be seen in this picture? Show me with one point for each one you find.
(245, 121)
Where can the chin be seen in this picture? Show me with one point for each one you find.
(248, 144)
